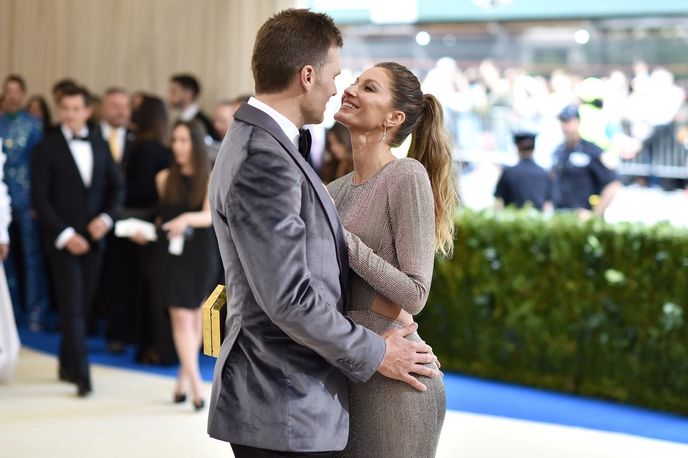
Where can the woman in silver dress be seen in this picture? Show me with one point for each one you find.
(397, 214)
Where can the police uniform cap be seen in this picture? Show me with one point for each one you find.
(524, 139)
(569, 113)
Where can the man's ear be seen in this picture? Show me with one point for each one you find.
(307, 76)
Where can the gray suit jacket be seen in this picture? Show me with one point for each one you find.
(280, 381)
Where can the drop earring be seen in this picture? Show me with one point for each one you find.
(384, 133)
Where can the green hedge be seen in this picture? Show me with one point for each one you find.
(588, 308)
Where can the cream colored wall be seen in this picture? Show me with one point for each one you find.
(137, 44)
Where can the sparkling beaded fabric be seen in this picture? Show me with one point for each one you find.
(390, 232)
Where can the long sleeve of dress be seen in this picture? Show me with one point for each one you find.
(411, 212)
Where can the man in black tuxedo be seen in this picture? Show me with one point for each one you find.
(183, 93)
(76, 189)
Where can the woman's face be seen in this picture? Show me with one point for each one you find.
(181, 145)
(337, 148)
(35, 109)
(367, 104)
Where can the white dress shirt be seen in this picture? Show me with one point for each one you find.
(189, 112)
(288, 127)
(82, 152)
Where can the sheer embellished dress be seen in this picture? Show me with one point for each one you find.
(390, 231)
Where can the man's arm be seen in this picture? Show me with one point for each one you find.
(607, 196)
(41, 178)
(606, 181)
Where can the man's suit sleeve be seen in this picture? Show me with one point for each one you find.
(114, 189)
(270, 236)
(41, 177)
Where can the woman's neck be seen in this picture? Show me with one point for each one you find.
(370, 155)
(186, 169)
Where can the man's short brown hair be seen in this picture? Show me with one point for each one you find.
(289, 41)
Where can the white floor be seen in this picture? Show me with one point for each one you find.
(131, 416)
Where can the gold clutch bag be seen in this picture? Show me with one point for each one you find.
(214, 315)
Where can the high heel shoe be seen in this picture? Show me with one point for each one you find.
(198, 404)
(179, 398)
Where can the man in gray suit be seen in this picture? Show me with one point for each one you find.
(280, 381)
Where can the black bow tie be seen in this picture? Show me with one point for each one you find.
(77, 138)
(305, 143)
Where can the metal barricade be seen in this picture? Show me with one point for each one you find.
(664, 155)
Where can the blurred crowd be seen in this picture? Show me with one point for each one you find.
(626, 115)
(107, 228)
(137, 156)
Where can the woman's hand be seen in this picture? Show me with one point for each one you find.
(139, 239)
(176, 227)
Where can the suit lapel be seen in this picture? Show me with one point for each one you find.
(256, 117)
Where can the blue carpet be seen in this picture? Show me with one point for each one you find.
(467, 394)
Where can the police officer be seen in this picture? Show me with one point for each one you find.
(526, 182)
(579, 172)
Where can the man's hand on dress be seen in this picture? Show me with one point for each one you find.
(404, 357)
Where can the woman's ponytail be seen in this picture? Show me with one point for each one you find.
(431, 147)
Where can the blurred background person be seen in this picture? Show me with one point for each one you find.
(9, 338)
(339, 159)
(579, 172)
(223, 114)
(76, 194)
(115, 113)
(25, 266)
(441, 81)
(57, 90)
(185, 276)
(94, 119)
(223, 117)
(111, 296)
(136, 99)
(664, 103)
(183, 94)
(526, 183)
(37, 107)
(135, 316)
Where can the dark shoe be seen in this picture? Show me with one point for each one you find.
(149, 356)
(83, 388)
(117, 347)
(66, 376)
(179, 398)
(199, 405)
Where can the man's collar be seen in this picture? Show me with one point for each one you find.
(288, 127)
(68, 134)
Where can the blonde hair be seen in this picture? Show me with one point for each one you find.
(430, 146)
